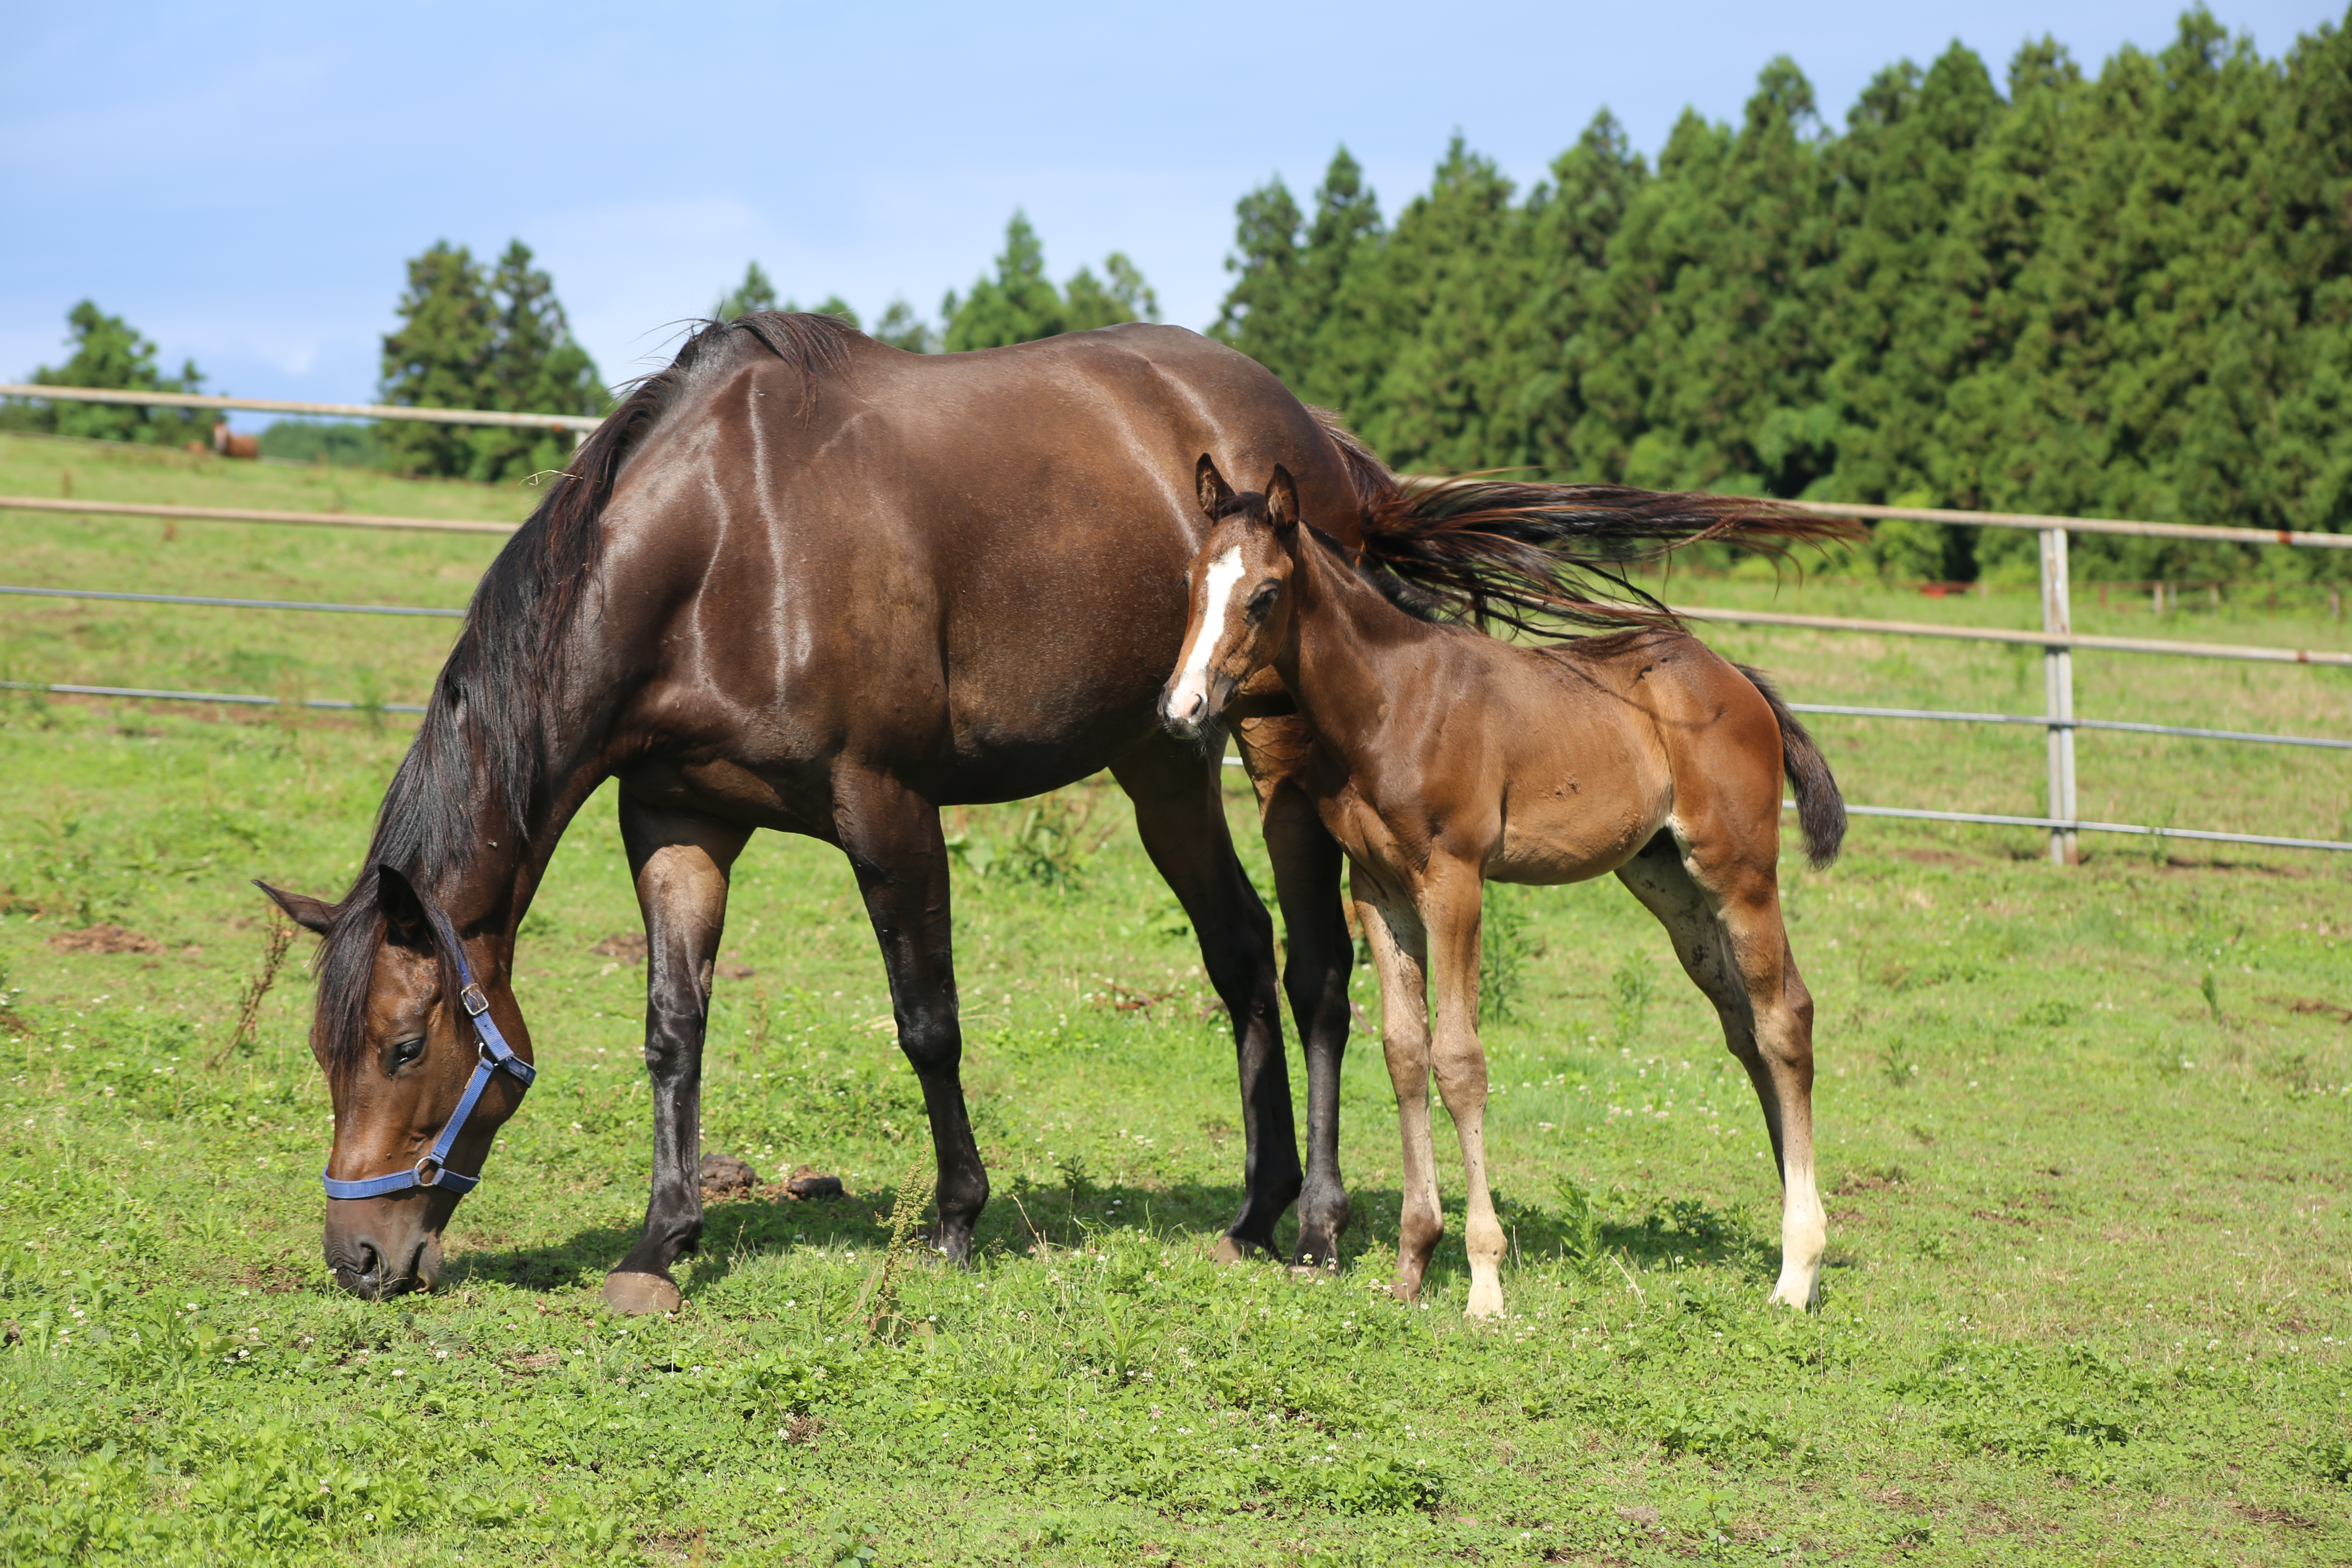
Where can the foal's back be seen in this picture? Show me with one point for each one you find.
(1589, 748)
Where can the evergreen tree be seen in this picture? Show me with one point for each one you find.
(1020, 304)
(109, 353)
(755, 293)
(493, 340)
(902, 329)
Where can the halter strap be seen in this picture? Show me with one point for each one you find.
(494, 1056)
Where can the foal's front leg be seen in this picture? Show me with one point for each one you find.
(1451, 900)
(679, 862)
(1400, 956)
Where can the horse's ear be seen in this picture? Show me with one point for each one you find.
(1215, 494)
(403, 911)
(312, 914)
(1282, 501)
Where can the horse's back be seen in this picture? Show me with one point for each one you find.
(968, 565)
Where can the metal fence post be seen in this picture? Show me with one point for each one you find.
(2058, 682)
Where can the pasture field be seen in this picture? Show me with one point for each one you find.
(2083, 1138)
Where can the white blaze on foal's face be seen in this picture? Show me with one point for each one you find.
(1220, 588)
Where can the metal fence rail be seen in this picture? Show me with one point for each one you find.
(251, 514)
(2041, 721)
(230, 603)
(579, 424)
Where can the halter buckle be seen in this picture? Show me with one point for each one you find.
(473, 1001)
(427, 1172)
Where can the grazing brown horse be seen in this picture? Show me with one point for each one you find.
(803, 581)
(1444, 759)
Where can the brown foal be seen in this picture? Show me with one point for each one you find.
(1444, 759)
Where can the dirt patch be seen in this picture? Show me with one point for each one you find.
(275, 1278)
(629, 946)
(802, 1430)
(537, 1362)
(2263, 1513)
(1999, 1218)
(104, 939)
(2312, 1007)
(736, 971)
(1880, 1181)
(1933, 857)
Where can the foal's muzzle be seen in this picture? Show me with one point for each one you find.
(1190, 704)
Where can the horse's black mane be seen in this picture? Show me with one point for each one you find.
(477, 766)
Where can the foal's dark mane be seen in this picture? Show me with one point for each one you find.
(477, 768)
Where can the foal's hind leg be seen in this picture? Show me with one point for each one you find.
(892, 838)
(1724, 919)
(1180, 814)
(679, 862)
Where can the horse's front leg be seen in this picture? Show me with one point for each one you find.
(1307, 861)
(893, 840)
(679, 862)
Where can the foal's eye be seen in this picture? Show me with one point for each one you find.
(406, 1051)
(1262, 602)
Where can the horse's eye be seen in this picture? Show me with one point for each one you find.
(406, 1051)
(1262, 602)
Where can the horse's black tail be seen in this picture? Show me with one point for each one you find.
(1821, 806)
(1536, 557)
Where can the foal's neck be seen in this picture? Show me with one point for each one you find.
(1338, 660)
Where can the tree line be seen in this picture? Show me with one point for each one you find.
(2127, 295)
(2121, 295)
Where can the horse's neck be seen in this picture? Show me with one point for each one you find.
(490, 873)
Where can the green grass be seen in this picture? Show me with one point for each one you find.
(2089, 1295)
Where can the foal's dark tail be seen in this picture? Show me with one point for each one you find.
(1820, 808)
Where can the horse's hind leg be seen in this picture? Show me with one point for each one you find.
(1180, 814)
(1724, 915)
(892, 838)
(679, 862)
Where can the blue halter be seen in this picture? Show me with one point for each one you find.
(431, 1171)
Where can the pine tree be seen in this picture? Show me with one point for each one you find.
(755, 293)
(1020, 304)
(109, 354)
(496, 340)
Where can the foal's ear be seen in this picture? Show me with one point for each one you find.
(312, 914)
(1215, 494)
(1282, 501)
(403, 909)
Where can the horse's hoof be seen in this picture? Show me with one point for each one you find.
(1228, 1250)
(640, 1295)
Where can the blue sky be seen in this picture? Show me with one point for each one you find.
(244, 183)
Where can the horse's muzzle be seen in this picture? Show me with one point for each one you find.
(384, 1252)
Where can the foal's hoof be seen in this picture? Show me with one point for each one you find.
(1228, 1250)
(640, 1295)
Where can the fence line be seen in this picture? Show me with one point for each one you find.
(578, 423)
(240, 698)
(2057, 639)
(252, 514)
(2043, 721)
(2205, 532)
(230, 603)
(2042, 640)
